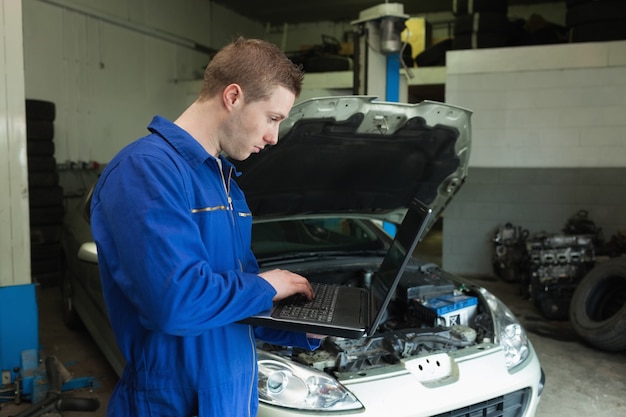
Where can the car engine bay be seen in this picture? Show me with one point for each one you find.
(411, 327)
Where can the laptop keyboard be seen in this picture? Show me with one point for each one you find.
(320, 308)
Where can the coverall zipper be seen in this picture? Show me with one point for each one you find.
(236, 226)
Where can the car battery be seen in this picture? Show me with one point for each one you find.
(445, 310)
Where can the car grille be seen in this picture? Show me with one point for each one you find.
(513, 404)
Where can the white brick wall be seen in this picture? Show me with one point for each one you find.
(543, 106)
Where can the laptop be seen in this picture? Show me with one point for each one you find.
(352, 312)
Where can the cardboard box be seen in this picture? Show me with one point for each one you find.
(417, 33)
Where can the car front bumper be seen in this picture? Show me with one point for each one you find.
(477, 380)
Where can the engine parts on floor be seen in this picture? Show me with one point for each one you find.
(548, 266)
(510, 256)
(557, 263)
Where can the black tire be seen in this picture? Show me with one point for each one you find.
(45, 196)
(460, 7)
(43, 179)
(40, 148)
(41, 216)
(45, 252)
(45, 266)
(482, 23)
(613, 30)
(598, 306)
(40, 110)
(39, 129)
(40, 235)
(41, 163)
(572, 3)
(595, 12)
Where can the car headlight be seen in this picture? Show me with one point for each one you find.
(288, 384)
(508, 331)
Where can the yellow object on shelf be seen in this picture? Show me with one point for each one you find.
(417, 34)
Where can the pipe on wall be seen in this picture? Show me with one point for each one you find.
(133, 26)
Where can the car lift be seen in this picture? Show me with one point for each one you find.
(377, 51)
(378, 56)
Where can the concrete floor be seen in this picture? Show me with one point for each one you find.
(580, 381)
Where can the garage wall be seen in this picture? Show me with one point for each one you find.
(110, 65)
(549, 139)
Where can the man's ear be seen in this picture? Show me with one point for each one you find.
(232, 96)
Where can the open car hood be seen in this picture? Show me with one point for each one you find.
(357, 155)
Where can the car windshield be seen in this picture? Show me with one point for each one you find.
(337, 235)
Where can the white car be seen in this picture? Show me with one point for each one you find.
(325, 200)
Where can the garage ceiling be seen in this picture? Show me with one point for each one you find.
(302, 11)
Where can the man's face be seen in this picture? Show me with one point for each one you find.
(252, 126)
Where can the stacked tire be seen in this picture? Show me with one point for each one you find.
(481, 24)
(596, 20)
(598, 307)
(45, 194)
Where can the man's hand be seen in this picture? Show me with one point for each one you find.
(287, 283)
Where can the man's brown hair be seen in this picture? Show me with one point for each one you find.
(256, 66)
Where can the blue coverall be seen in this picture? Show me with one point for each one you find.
(173, 233)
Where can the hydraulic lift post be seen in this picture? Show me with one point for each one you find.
(378, 49)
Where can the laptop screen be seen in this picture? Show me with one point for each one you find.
(386, 279)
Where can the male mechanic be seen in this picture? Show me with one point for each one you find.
(173, 233)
